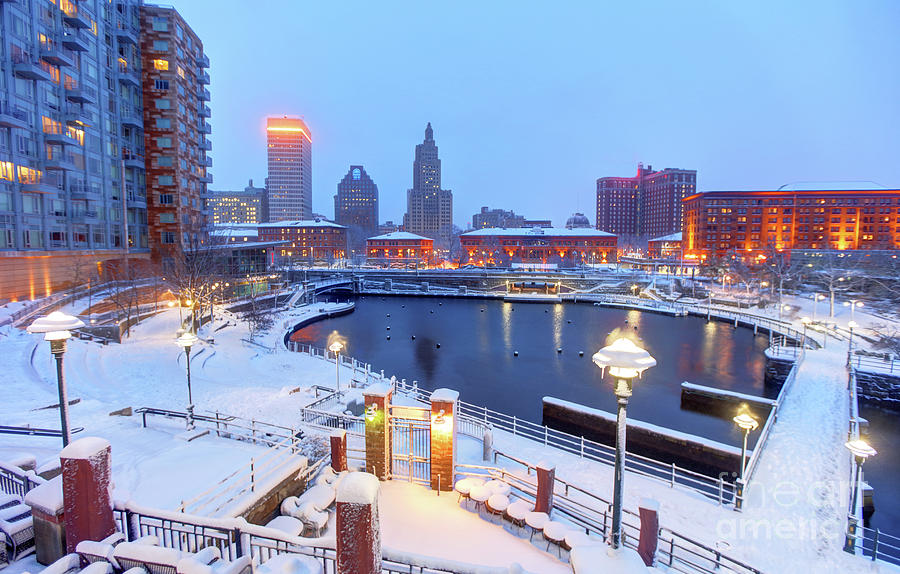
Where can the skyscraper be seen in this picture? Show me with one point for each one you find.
(356, 207)
(175, 120)
(229, 207)
(289, 185)
(429, 209)
(647, 205)
(72, 189)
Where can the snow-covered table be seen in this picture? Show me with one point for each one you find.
(479, 494)
(517, 511)
(555, 533)
(498, 487)
(497, 504)
(286, 524)
(536, 521)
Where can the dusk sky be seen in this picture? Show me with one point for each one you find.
(531, 102)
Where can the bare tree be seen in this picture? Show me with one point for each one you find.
(124, 295)
(835, 273)
(782, 270)
(193, 272)
(257, 316)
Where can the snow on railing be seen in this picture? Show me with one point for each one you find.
(887, 364)
(15, 481)
(716, 488)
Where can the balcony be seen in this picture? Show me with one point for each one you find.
(133, 160)
(74, 42)
(205, 144)
(203, 95)
(79, 190)
(60, 162)
(205, 112)
(58, 137)
(13, 117)
(203, 61)
(205, 128)
(126, 33)
(131, 118)
(76, 116)
(207, 161)
(129, 76)
(29, 70)
(203, 77)
(77, 19)
(208, 178)
(81, 95)
(56, 56)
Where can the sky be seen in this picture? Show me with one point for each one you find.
(532, 102)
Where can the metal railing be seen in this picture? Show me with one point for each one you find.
(14, 480)
(593, 515)
(887, 364)
(714, 488)
(876, 545)
(230, 426)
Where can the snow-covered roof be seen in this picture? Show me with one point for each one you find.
(394, 235)
(235, 232)
(670, 237)
(830, 186)
(538, 231)
(302, 223)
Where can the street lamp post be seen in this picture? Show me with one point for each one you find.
(336, 349)
(853, 304)
(861, 451)
(186, 341)
(851, 325)
(625, 361)
(634, 289)
(816, 298)
(56, 327)
(747, 424)
(805, 321)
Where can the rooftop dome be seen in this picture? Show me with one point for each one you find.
(577, 221)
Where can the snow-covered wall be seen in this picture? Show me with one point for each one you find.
(880, 389)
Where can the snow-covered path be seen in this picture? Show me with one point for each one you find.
(795, 512)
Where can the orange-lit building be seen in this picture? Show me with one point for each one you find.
(665, 247)
(289, 181)
(307, 240)
(537, 245)
(747, 224)
(399, 247)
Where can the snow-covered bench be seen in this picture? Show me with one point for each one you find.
(66, 565)
(191, 565)
(8, 500)
(17, 530)
(154, 559)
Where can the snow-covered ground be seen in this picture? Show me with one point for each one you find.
(262, 380)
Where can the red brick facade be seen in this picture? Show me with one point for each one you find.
(399, 247)
(537, 245)
(308, 240)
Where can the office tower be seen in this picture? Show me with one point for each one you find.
(487, 218)
(228, 207)
(647, 205)
(72, 193)
(176, 126)
(356, 207)
(429, 209)
(289, 185)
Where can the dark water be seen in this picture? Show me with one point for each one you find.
(476, 355)
(882, 470)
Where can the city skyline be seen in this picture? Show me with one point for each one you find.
(788, 93)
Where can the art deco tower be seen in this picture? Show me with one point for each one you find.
(429, 209)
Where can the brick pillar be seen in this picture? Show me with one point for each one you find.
(546, 474)
(339, 450)
(85, 482)
(443, 438)
(649, 512)
(378, 430)
(358, 539)
(47, 512)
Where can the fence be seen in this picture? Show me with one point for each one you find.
(14, 480)
(887, 364)
(770, 421)
(716, 489)
(593, 515)
(230, 426)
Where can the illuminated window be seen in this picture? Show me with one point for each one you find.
(160, 64)
(7, 171)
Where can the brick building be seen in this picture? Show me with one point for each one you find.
(399, 247)
(563, 247)
(665, 247)
(175, 130)
(646, 205)
(308, 241)
(747, 224)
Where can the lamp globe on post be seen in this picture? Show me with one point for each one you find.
(861, 451)
(56, 327)
(336, 348)
(186, 341)
(625, 361)
(747, 424)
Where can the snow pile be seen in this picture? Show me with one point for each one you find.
(600, 558)
(357, 488)
(47, 498)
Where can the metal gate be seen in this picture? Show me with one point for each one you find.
(411, 444)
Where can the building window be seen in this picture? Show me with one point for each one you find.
(161, 84)
(167, 237)
(160, 24)
(164, 124)
(163, 104)
(160, 45)
(164, 180)
(166, 199)
(161, 64)
(164, 142)
(165, 160)
(167, 218)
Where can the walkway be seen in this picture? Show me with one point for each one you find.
(797, 501)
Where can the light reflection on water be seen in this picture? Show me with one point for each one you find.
(476, 355)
